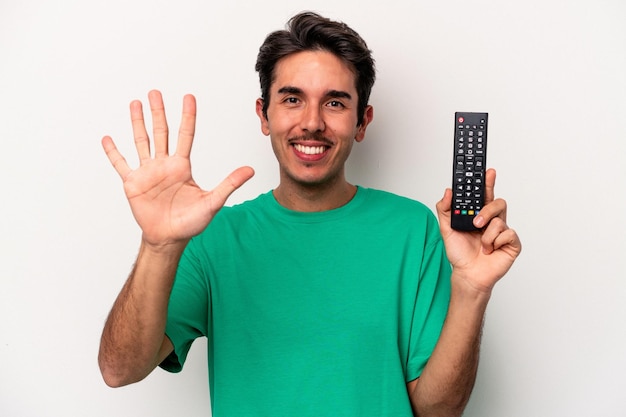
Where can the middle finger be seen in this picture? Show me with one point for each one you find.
(160, 130)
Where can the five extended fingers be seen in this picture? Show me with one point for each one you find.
(160, 136)
(493, 214)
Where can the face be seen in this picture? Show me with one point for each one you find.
(312, 118)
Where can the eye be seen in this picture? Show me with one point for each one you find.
(291, 100)
(335, 103)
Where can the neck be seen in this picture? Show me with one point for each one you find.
(311, 198)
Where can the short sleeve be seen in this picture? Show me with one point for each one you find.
(431, 307)
(188, 309)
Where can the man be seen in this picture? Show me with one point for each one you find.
(319, 297)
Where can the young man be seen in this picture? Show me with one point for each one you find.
(319, 297)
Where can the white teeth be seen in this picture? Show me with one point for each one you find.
(310, 150)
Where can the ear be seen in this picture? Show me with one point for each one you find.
(264, 122)
(368, 116)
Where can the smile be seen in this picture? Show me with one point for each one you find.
(310, 150)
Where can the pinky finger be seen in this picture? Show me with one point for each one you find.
(115, 157)
(508, 240)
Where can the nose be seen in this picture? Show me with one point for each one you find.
(312, 119)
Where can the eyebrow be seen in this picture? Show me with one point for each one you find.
(289, 90)
(330, 93)
(339, 94)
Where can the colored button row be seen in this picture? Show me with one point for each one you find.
(466, 212)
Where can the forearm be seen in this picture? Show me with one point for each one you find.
(446, 383)
(130, 347)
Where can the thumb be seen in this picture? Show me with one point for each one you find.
(233, 181)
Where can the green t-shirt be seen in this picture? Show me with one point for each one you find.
(312, 314)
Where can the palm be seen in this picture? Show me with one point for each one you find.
(165, 200)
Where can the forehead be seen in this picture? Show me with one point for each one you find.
(313, 71)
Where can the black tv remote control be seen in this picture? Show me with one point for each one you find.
(468, 172)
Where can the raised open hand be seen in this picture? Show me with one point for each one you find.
(165, 200)
(484, 256)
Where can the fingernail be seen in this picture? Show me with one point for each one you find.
(479, 221)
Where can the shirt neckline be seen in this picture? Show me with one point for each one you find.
(317, 216)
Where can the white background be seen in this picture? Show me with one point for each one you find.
(550, 73)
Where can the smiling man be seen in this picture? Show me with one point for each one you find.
(313, 122)
(319, 297)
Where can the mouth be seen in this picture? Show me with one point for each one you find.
(310, 150)
(311, 147)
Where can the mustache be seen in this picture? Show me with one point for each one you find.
(311, 136)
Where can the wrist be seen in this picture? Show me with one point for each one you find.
(167, 249)
(159, 260)
(467, 308)
(468, 289)
(156, 266)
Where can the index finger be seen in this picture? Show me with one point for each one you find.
(187, 128)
